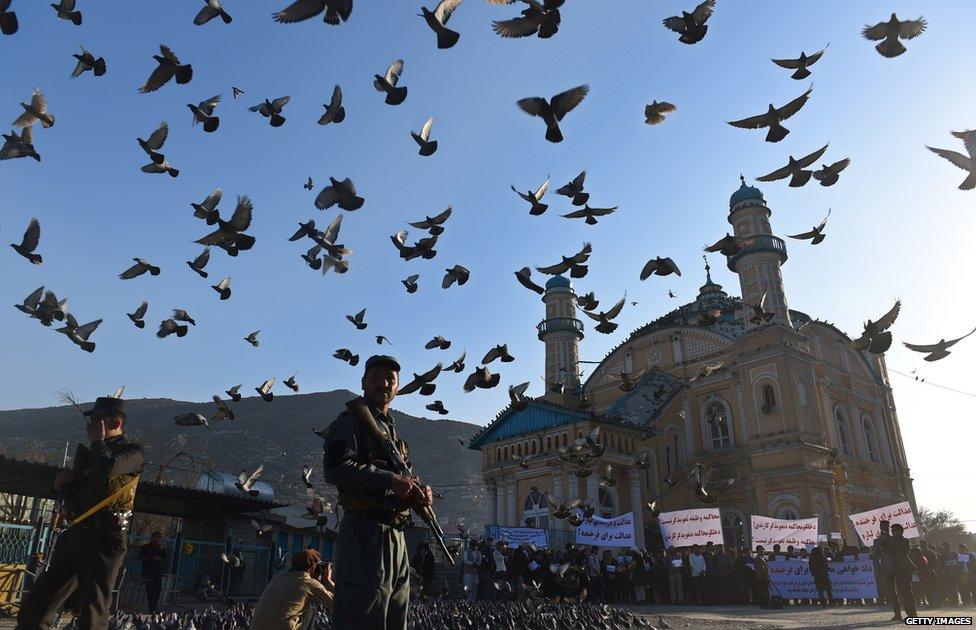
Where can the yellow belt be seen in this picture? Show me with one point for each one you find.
(129, 485)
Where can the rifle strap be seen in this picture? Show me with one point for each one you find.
(129, 485)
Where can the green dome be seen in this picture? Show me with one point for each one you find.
(558, 281)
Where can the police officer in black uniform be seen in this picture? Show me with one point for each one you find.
(371, 563)
(88, 555)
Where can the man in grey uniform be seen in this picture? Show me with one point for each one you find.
(371, 564)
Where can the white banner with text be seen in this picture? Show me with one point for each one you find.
(867, 523)
(607, 532)
(768, 531)
(691, 527)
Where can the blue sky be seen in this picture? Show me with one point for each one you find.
(899, 227)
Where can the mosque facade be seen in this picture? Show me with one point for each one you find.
(803, 424)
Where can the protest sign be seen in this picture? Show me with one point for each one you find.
(867, 523)
(768, 531)
(684, 528)
(515, 536)
(607, 532)
(852, 579)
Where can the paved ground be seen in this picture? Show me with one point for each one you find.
(793, 617)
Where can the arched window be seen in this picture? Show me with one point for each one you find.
(718, 425)
(652, 475)
(676, 446)
(732, 530)
(520, 449)
(608, 504)
(768, 398)
(535, 510)
(787, 512)
(564, 439)
(549, 443)
(870, 438)
(532, 448)
(498, 454)
(843, 433)
(669, 466)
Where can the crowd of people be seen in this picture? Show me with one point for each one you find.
(709, 574)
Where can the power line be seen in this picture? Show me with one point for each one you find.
(926, 382)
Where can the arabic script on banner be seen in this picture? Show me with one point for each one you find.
(691, 527)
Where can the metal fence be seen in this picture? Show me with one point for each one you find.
(16, 541)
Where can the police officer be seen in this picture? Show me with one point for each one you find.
(371, 573)
(88, 555)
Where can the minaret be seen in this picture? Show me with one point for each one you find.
(758, 265)
(561, 332)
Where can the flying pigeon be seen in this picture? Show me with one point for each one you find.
(437, 21)
(627, 381)
(339, 193)
(253, 338)
(29, 242)
(78, 334)
(334, 111)
(659, 267)
(155, 142)
(437, 406)
(265, 390)
(203, 113)
(344, 354)
(411, 283)
(875, 338)
(794, 169)
(15, 146)
(233, 393)
(291, 383)
(731, 245)
(435, 224)
(535, 198)
(8, 19)
(198, 263)
(524, 276)
(587, 302)
(86, 62)
(211, 9)
(458, 274)
(236, 92)
(162, 167)
(244, 481)
(655, 112)
(830, 173)
(605, 325)
(498, 352)
(300, 10)
(357, 320)
(516, 396)
(229, 235)
(438, 342)
(222, 288)
(169, 67)
(588, 213)
(137, 315)
(458, 365)
(207, 210)
(388, 83)
(138, 269)
(800, 64)
(573, 264)
(965, 162)
(424, 383)
(938, 350)
(307, 477)
(691, 26)
(553, 110)
(759, 313)
(541, 17)
(481, 378)
(224, 412)
(380, 339)
(35, 111)
(891, 31)
(182, 316)
(574, 189)
(427, 146)
(774, 117)
(191, 420)
(816, 235)
(66, 11)
(272, 110)
(169, 326)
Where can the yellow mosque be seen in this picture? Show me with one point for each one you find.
(805, 425)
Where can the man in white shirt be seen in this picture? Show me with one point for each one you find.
(471, 563)
(499, 559)
(697, 562)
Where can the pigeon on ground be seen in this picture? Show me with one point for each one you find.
(8, 19)
(424, 383)
(655, 112)
(335, 10)
(234, 394)
(169, 326)
(15, 146)
(357, 320)
(207, 210)
(516, 396)
(138, 269)
(272, 110)
(86, 62)
(203, 113)
(938, 350)
(691, 26)
(411, 283)
(435, 224)
(155, 142)
(800, 64)
(830, 173)
(244, 481)
(574, 190)
(438, 342)
(731, 245)
(162, 167)
(535, 198)
(794, 169)
(458, 365)
(198, 263)
(524, 276)
(66, 11)
(875, 338)
(659, 267)
(891, 31)
(605, 325)
(253, 338)
(437, 406)
(458, 274)
(437, 21)
(965, 162)
(192, 420)
(265, 390)
(211, 9)
(334, 111)
(481, 378)
(35, 111)
(78, 334)
(388, 83)
(555, 109)
(229, 235)
(816, 235)
(344, 354)
(573, 264)
(498, 352)
(427, 146)
(588, 213)
(169, 67)
(291, 383)
(339, 193)
(759, 313)
(222, 288)
(774, 117)
(29, 242)
(137, 315)
(542, 17)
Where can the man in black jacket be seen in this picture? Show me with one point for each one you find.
(153, 557)
(98, 495)
(896, 546)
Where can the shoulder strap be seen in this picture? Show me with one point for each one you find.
(129, 485)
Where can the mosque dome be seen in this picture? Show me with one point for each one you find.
(558, 281)
(744, 193)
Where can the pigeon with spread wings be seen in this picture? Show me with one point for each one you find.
(203, 113)
(424, 383)
(691, 26)
(29, 242)
(86, 62)
(830, 173)
(211, 9)
(138, 269)
(655, 112)
(437, 21)
(603, 318)
(535, 198)
(590, 214)
(524, 276)
(574, 190)
(272, 110)
(876, 339)
(335, 10)
(334, 111)
(541, 18)
(573, 264)
(659, 267)
(774, 117)
(230, 235)
(555, 109)
(339, 193)
(759, 313)
(8, 19)
(794, 169)
(891, 31)
(434, 224)
(169, 67)
(938, 350)
(35, 111)
(801, 64)
(965, 162)
(388, 83)
(816, 235)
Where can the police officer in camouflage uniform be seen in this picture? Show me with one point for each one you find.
(88, 555)
(371, 564)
